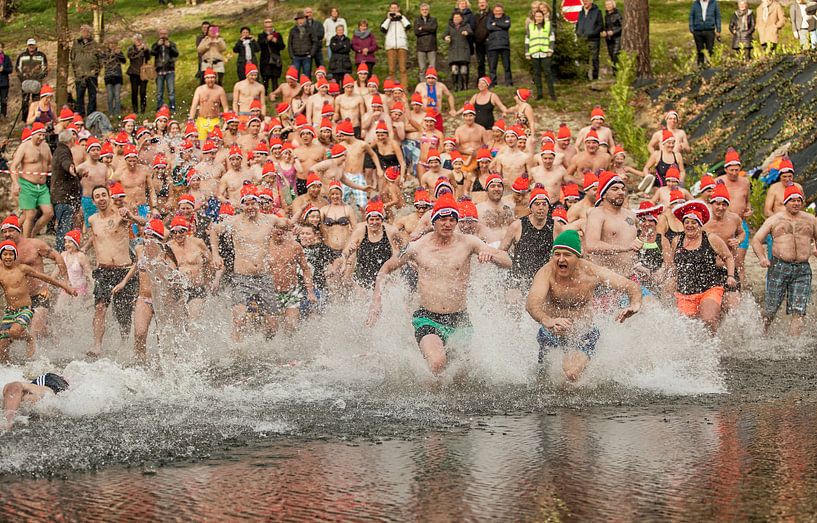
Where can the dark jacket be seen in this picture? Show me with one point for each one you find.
(302, 42)
(65, 187)
(270, 51)
(32, 66)
(426, 32)
(317, 30)
(712, 20)
(341, 48)
(480, 26)
(742, 36)
(112, 62)
(590, 23)
(459, 48)
(241, 59)
(612, 22)
(85, 57)
(498, 33)
(137, 57)
(165, 57)
(360, 43)
(6, 69)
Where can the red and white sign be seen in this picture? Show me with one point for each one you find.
(571, 10)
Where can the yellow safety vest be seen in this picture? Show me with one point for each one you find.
(538, 38)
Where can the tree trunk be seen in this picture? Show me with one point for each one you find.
(4, 9)
(271, 4)
(635, 35)
(63, 51)
(99, 23)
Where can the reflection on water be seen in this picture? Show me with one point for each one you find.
(692, 463)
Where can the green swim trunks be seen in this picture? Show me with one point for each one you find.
(443, 325)
(21, 316)
(33, 195)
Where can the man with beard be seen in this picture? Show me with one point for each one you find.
(591, 159)
(611, 235)
(496, 216)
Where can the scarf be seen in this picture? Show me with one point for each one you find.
(362, 34)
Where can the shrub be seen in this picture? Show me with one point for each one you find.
(571, 57)
(628, 133)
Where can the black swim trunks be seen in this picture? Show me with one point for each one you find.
(52, 381)
(442, 325)
(106, 278)
(41, 300)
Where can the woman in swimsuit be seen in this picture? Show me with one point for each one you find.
(618, 165)
(337, 220)
(523, 112)
(663, 159)
(484, 103)
(475, 186)
(288, 166)
(79, 269)
(389, 153)
(668, 225)
(430, 139)
(374, 242)
(43, 109)
(671, 125)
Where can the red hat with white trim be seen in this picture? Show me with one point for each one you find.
(618, 150)
(785, 166)
(377, 101)
(130, 151)
(292, 74)
(179, 224)
(375, 208)
(320, 72)
(46, 90)
(666, 135)
(468, 108)
(226, 209)
(11, 222)
(416, 99)
(363, 68)
(494, 178)
(597, 112)
(693, 209)
(570, 192)
(607, 179)
(261, 148)
(388, 85)
(441, 184)
(37, 128)
(326, 125)
(486, 79)
(381, 127)
(373, 80)
(592, 136)
(559, 214)
(160, 161)
(67, 114)
(791, 192)
(282, 108)
(673, 173)
(230, 117)
(522, 184)
(433, 155)
(190, 130)
(309, 210)
(106, 150)
(268, 168)
(8, 245)
(327, 111)
(548, 136)
(422, 198)
(548, 148)
(707, 182)
(456, 157)
(468, 210)
(266, 194)
(397, 107)
(91, 143)
(141, 131)
(209, 73)
(155, 228)
(192, 176)
(523, 94)
(335, 185)
(590, 181)
(539, 193)
(397, 86)
(163, 113)
(235, 151)
(484, 155)
(255, 105)
(313, 179)
(345, 128)
(248, 193)
(392, 173)
(188, 199)
(304, 80)
(208, 147)
(25, 135)
(275, 143)
(431, 114)
(117, 191)
(564, 132)
(649, 211)
(732, 158)
(720, 194)
(451, 140)
(334, 88)
(250, 69)
(322, 82)
(445, 206)
(74, 236)
(307, 129)
(676, 196)
(337, 151)
(431, 73)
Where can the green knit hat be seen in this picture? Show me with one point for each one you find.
(569, 240)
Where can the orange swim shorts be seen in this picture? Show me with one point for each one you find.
(689, 304)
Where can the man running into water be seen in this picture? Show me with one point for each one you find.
(29, 167)
(443, 260)
(789, 276)
(19, 392)
(193, 260)
(285, 257)
(561, 297)
(727, 226)
(14, 277)
(739, 189)
(611, 236)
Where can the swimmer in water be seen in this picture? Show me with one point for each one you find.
(560, 300)
(18, 392)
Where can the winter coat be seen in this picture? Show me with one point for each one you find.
(317, 30)
(459, 48)
(480, 25)
(768, 29)
(211, 53)
(426, 32)
(270, 51)
(5, 69)
(797, 18)
(302, 42)
(330, 26)
(165, 56)
(241, 59)
(85, 57)
(113, 66)
(498, 33)
(137, 57)
(395, 31)
(341, 47)
(590, 23)
(359, 43)
(742, 34)
(710, 22)
(32, 66)
(612, 22)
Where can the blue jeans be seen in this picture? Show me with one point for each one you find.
(303, 64)
(167, 81)
(64, 222)
(114, 105)
(86, 85)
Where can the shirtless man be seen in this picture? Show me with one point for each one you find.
(29, 180)
(309, 153)
(407, 224)
(253, 288)
(209, 100)
(354, 178)
(681, 140)
(315, 103)
(789, 275)
(288, 90)
(673, 179)
(246, 91)
(312, 197)
(229, 188)
(578, 211)
(208, 171)
(435, 170)
(739, 190)
(469, 137)
(604, 134)
(350, 106)
(433, 94)
(443, 261)
(611, 235)
(561, 301)
(28, 392)
(31, 252)
(496, 215)
(727, 226)
(549, 174)
(110, 235)
(91, 173)
(193, 260)
(775, 193)
(565, 151)
(285, 257)
(510, 162)
(250, 139)
(591, 159)
(135, 178)
(15, 279)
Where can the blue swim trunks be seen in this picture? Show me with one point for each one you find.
(143, 211)
(745, 243)
(88, 208)
(585, 343)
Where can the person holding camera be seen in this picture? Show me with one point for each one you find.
(394, 27)
(86, 59)
(302, 45)
(139, 55)
(211, 51)
(32, 68)
(271, 44)
(166, 53)
(245, 50)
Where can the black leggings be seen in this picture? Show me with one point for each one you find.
(138, 93)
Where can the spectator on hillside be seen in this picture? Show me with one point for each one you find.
(705, 26)
(457, 34)
(66, 192)
(6, 69)
(425, 29)
(329, 26)
(770, 20)
(211, 50)
(271, 43)
(498, 44)
(612, 31)
(364, 45)
(742, 27)
(396, 43)
(205, 28)
(802, 23)
(540, 41)
(85, 58)
(302, 45)
(138, 54)
(340, 63)
(31, 65)
(480, 27)
(165, 53)
(589, 29)
(246, 50)
(317, 30)
(112, 60)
